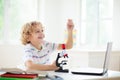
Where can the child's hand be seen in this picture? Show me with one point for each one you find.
(70, 25)
(54, 65)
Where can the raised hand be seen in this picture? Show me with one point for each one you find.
(70, 25)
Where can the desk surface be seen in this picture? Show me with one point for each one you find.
(70, 76)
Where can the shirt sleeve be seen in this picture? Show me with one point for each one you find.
(51, 46)
(28, 55)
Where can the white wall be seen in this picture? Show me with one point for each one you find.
(54, 15)
(116, 24)
(10, 55)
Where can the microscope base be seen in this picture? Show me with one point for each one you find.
(62, 70)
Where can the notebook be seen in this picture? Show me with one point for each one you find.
(7, 78)
(12, 75)
(95, 71)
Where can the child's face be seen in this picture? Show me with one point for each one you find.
(37, 35)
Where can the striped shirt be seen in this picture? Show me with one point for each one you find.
(39, 56)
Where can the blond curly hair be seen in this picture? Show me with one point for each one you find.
(27, 29)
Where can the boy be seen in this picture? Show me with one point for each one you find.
(37, 51)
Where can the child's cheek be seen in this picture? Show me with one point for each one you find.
(43, 36)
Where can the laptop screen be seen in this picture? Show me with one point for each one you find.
(107, 57)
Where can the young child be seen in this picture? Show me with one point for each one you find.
(37, 50)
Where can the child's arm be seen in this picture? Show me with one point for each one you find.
(69, 43)
(32, 66)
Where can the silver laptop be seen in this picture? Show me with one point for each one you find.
(95, 71)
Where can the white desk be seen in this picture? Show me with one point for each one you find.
(70, 76)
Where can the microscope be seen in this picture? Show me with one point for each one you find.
(63, 55)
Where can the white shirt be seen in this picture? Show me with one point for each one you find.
(39, 56)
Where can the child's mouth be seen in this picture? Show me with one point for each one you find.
(40, 37)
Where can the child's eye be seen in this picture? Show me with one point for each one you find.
(37, 31)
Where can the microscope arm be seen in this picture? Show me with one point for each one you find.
(63, 62)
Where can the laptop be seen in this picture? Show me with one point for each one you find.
(96, 71)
